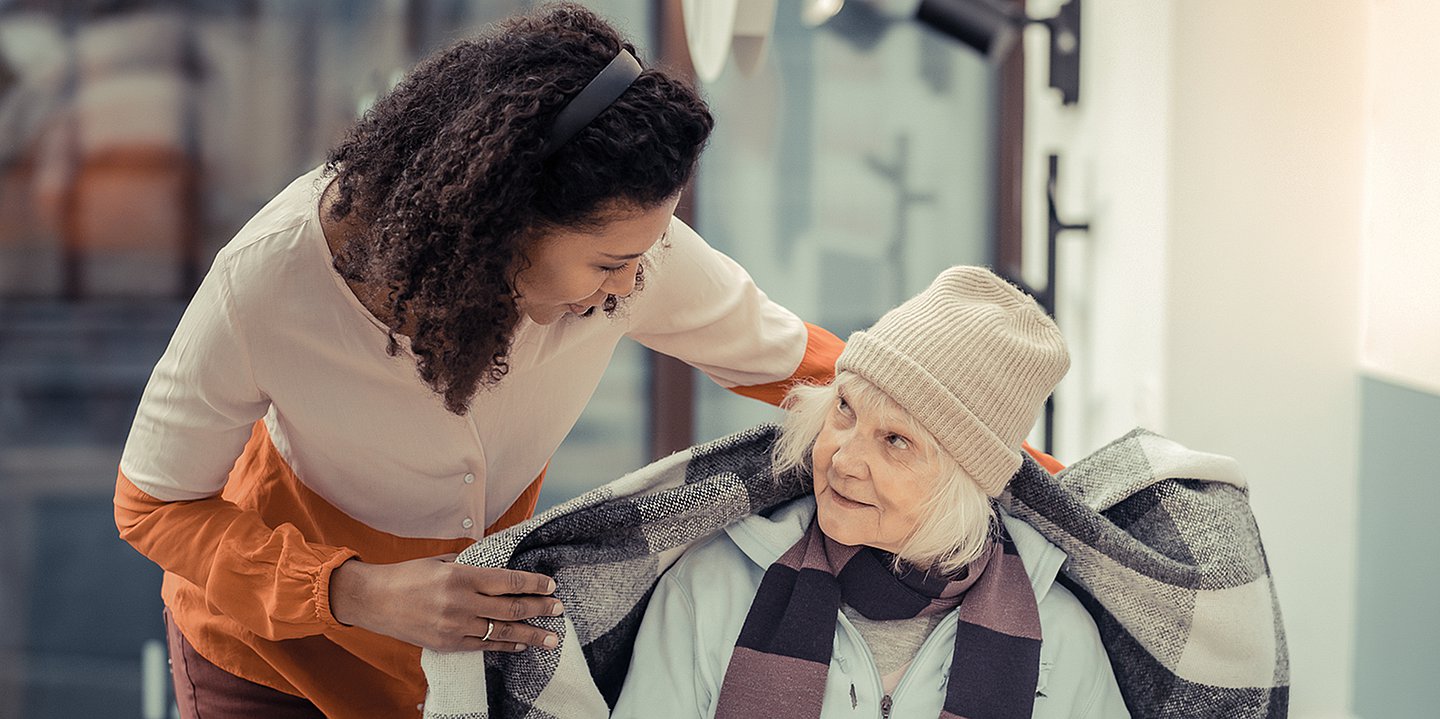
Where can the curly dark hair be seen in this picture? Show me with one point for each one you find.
(446, 177)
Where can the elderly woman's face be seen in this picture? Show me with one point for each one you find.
(871, 477)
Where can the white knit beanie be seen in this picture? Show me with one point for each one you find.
(972, 359)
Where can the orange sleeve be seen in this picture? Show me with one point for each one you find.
(272, 581)
(817, 366)
(1051, 465)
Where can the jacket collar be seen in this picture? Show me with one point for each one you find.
(764, 538)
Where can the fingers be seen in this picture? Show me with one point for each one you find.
(475, 644)
(497, 582)
(514, 608)
(520, 633)
(508, 615)
(481, 600)
(504, 637)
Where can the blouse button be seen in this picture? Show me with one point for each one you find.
(470, 478)
(468, 523)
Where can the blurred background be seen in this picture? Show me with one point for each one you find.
(1258, 185)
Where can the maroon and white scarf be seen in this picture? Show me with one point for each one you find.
(783, 654)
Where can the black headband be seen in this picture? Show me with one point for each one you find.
(602, 92)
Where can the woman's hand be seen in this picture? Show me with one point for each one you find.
(438, 604)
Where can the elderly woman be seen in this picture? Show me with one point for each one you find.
(899, 589)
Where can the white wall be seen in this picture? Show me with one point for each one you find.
(1219, 151)
(1267, 143)
(1401, 297)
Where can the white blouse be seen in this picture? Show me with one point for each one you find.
(275, 332)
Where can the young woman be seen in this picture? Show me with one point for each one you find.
(378, 366)
(897, 589)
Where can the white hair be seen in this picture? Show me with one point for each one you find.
(956, 520)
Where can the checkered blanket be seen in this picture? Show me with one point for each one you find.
(1163, 550)
(606, 550)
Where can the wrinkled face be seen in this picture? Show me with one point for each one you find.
(573, 271)
(871, 476)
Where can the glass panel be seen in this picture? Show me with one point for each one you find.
(855, 165)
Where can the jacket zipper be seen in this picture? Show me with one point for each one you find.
(858, 641)
(886, 701)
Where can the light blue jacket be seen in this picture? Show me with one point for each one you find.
(694, 618)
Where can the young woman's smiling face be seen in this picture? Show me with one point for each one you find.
(872, 476)
(573, 271)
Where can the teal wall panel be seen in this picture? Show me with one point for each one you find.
(1397, 648)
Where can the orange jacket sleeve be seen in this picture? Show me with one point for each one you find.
(1051, 465)
(262, 552)
(272, 581)
(817, 366)
(198, 411)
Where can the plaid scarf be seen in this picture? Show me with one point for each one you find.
(783, 654)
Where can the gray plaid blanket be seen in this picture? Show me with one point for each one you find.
(1163, 550)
